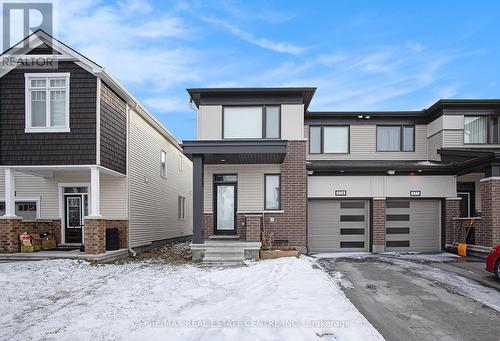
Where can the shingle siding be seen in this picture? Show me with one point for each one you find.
(77, 147)
(113, 130)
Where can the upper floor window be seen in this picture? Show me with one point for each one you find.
(329, 139)
(47, 102)
(396, 138)
(252, 122)
(163, 164)
(481, 129)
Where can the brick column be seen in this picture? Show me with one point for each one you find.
(10, 228)
(378, 224)
(490, 210)
(95, 236)
(292, 226)
(253, 227)
(451, 211)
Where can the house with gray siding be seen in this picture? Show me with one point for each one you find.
(341, 181)
(79, 154)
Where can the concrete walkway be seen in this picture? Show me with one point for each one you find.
(108, 256)
(401, 305)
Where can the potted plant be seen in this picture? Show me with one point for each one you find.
(269, 252)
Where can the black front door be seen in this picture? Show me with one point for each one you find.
(225, 204)
(74, 218)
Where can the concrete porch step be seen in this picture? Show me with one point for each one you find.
(221, 255)
(227, 237)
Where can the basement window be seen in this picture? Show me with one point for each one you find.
(47, 102)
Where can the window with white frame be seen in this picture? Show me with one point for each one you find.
(181, 211)
(181, 163)
(47, 102)
(163, 164)
(24, 209)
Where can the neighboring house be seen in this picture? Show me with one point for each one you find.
(79, 154)
(341, 181)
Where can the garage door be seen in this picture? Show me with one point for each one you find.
(338, 225)
(413, 225)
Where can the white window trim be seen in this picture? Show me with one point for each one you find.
(182, 216)
(166, 164)
(36, 200)
(181, 163)
(27, 103)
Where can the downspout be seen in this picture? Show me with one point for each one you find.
(130, 250)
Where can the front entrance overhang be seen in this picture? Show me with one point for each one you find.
(237, 151)
(470, 160)
(379, 167)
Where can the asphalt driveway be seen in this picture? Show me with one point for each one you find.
(418, 300)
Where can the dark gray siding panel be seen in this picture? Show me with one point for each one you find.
(78, 147)
(113, 131)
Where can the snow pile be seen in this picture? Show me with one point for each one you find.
(423, 257)
(274, 300)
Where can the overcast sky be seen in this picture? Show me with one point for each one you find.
(362, 55)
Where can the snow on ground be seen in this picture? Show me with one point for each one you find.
(74, 300)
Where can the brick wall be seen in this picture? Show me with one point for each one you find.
(292, 224)
(122, 226)
(42, 226)
(378, 223)
(9, 235)
(451, 211)
(95, 238)
(490, 212)
(253, 227)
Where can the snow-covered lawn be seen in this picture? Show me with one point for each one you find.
(288, 298)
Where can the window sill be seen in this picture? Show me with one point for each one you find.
(47, 130)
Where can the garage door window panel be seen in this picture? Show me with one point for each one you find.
(352, 245)
(352, 231)
(352, 204)
(398, 217)
(398, 230)
(397, 243)
(352, 218)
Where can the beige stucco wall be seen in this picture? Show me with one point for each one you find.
(292, 121)
(209, 123)
(382, 186)
(250, 190)
(153, 199)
